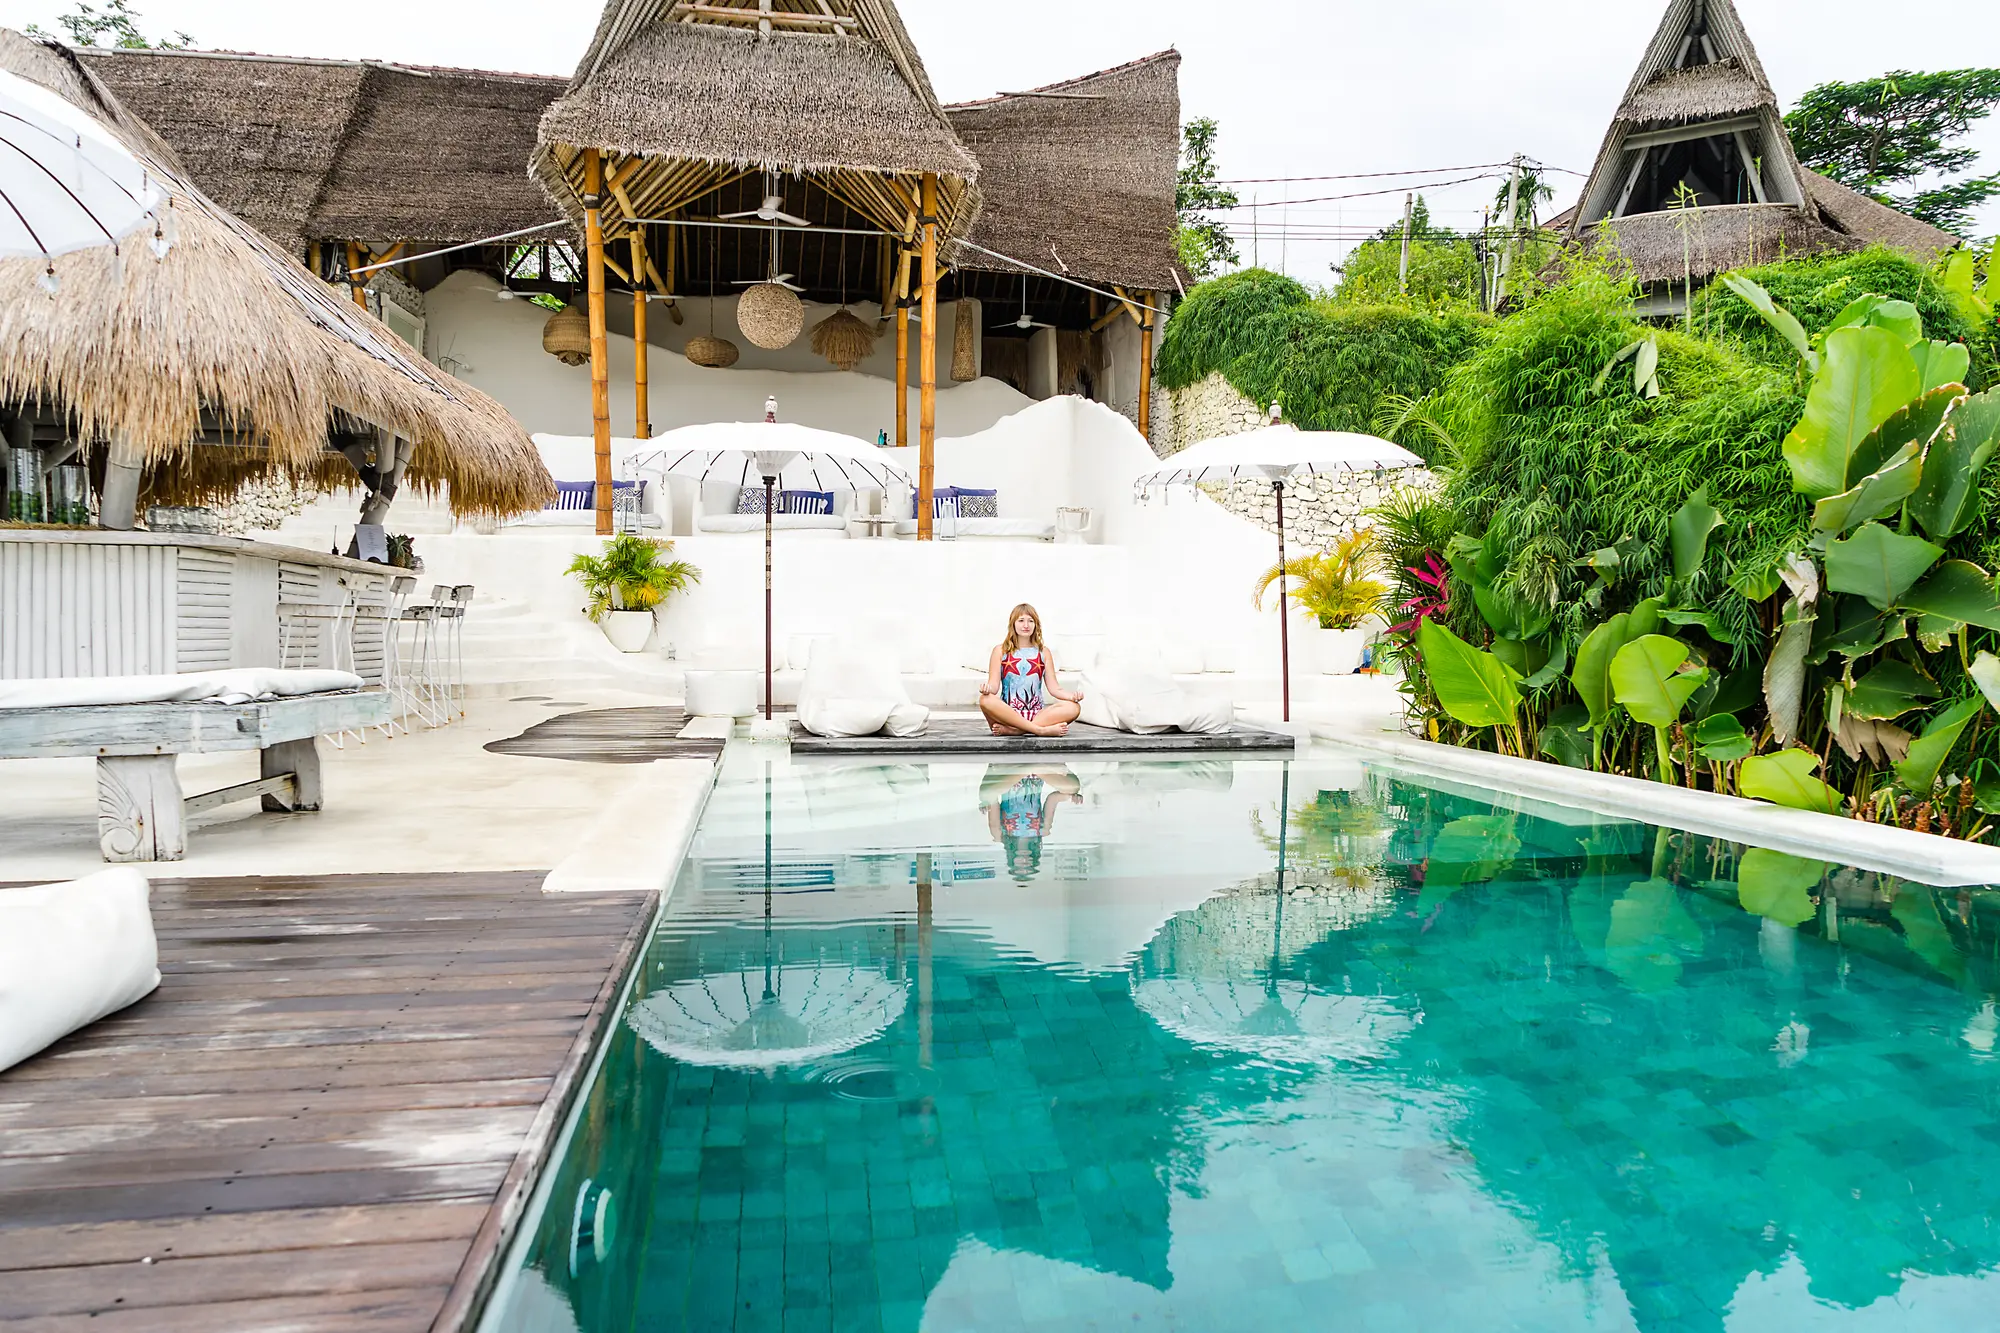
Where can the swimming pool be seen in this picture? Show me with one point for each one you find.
(1269, 1045)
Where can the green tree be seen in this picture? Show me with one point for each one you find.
(1203, 239)
(116, 22)
(1882, 136)
(1444, 267)
(1534, 191)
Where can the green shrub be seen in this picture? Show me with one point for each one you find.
(1330, 365)
(1817, 289)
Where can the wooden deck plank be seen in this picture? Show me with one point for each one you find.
(326, 1118)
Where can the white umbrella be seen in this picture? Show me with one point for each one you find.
(66, 183)
(786, 1015)
(1276, 453)
(779, 453)
(1276, 1020)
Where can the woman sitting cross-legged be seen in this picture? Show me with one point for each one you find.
(1021, 696)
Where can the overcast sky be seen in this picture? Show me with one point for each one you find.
(1301, 88)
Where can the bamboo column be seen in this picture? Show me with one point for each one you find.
(903, 350)
(600, 360)
(358, 288)
(1146, 367)
(642, 417)
(927, 364)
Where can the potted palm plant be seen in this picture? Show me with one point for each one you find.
(626, 583)
(1336, 589)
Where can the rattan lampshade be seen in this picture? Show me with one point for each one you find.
(770, 315)
(965, 352)
(566, 336)
(843, 340)
(714, 353)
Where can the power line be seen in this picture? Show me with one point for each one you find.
(1361, 194)
(1385, 175)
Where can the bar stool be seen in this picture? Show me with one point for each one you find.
(418, 672)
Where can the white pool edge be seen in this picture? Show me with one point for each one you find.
(1925, 857)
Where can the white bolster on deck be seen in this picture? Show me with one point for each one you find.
(235, 685)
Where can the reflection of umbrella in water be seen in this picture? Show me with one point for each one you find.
(783, 1014)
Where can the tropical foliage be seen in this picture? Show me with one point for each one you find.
(116, 24)
(1715, 570)
(1336, 587)
(1884, 136)
(1448, 270)
(1201, 236)
(1330, 365)
(631, 575)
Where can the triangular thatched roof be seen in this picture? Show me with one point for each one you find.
(689, 94)
(1079, 177)
(1697, 175)
(341, 150)
(226, 335)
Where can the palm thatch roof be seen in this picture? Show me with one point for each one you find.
(338, 150)
(1700, 81)
(226, 328)
(1079, 177)
(683, 97)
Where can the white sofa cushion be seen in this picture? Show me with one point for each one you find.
(1019, 528)
(69, 955)
(228, 685)
(1144, 702)
(851, 690)
(834, 525)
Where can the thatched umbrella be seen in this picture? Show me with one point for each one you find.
(226, 340)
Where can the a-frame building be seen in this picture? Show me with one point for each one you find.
(1697, 175)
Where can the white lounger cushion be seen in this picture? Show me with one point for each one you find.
(853, 689)
(1033, 528)
(1145, 702)
(233, 685)
(69, 955)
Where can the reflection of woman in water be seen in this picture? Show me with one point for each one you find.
(1021, 696)
(1020, 805)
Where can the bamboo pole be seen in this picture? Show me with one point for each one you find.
(927, 364)
(903, 350)
(1146, 370)
(600, 358)
(642, 420)
(357, 287)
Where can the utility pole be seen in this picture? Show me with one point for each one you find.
(1482, 265)
(1512, 225)
(1403, 276)
(1256, 253)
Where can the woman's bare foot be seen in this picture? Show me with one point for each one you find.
(1052, 729)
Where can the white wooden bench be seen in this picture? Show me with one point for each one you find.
(141, 813)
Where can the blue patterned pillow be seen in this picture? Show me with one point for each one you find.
(805, 502)
(750, 500)
(978, 504)
(939, 494)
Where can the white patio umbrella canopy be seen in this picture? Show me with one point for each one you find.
(65, 182)
(1276, 453)
(1278, 1020)
(780, 454)
(766, 1019)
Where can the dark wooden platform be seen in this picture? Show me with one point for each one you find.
(961, 736)
(327, 1117)
(609, 736)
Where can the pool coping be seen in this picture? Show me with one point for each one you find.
(1925, 857)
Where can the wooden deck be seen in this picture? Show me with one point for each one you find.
(327, 1117)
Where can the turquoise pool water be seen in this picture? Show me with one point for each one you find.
(1265, 1046)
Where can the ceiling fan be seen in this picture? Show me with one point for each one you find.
(773, 207)
(776, 279)
(1026, 321)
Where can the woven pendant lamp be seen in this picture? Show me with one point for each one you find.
(964, 352)
(843, 340)
(705, 349)
(566, 336)
(770, 315)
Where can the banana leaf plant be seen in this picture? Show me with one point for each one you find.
(1891, 450)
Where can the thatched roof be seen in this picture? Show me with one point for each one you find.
(226, 326)
(1079, 176)
(1700, 92)
(1862, 218)
(338, 150)
(1666, 247)
(699, 101)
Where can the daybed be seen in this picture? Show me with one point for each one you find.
(969, 505)
(136, 726)
(575, 505)
(720, 507)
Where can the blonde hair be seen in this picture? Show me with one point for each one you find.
(1012, 641)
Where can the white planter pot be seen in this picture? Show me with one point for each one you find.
(628, 630)
(1337, 652)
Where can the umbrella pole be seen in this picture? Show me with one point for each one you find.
(769, 482)
(1284, 611)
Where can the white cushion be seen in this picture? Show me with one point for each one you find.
(851, 689)
(1145, 702)
(721, 693)
(1031, 528)
(69, 955)
(799, 650)
(230, 685)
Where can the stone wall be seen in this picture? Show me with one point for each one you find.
(1318, 510)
